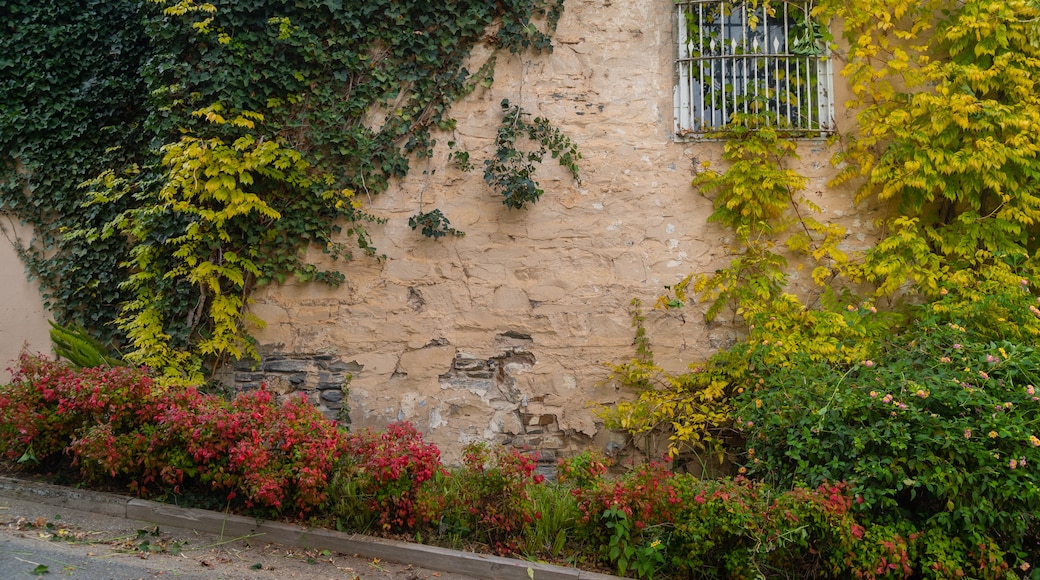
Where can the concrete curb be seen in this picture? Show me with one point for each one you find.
(431, 557)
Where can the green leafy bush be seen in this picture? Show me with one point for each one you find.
(941, 430)
(74, 344)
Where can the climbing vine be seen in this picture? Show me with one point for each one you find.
(946, 138)
(252, 135)
(510, 171)
(433, 224)
(944, 141)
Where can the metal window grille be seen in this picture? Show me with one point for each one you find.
(744, 64)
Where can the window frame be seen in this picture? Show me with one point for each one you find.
(807, 114)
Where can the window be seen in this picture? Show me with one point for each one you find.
(752, 64)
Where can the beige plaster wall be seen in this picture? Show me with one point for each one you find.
(501, 335)
(23, 320)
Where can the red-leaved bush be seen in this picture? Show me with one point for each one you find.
(117, 425)
(383, 477)
(491, 500)
(48, 403)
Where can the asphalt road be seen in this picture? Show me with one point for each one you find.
(43, 541)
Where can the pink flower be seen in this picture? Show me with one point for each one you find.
(922, 393)
(1013, 463)
(868, 363)
(967, 433)
(873, 394)
(887, 399)
(1030, 390)
(983, 375)
(944, 359)
(956, 346)
(992, 359)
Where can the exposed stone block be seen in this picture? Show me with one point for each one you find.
(513, 341)
(466, 383)
(249, 377)
(465, 362)
(332, 396)
(245, 365)
(352, 367)
(538, 420)
(278, 385)
(285, 366)
(546, 442)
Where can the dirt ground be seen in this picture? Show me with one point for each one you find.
(38, 540)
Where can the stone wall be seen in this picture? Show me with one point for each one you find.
(501, 335)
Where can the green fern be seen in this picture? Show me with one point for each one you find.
(73, 344)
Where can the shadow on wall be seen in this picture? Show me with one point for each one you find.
(23, 320)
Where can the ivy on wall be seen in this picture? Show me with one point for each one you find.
(256, 127)
(510, 171)
(71, 106)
